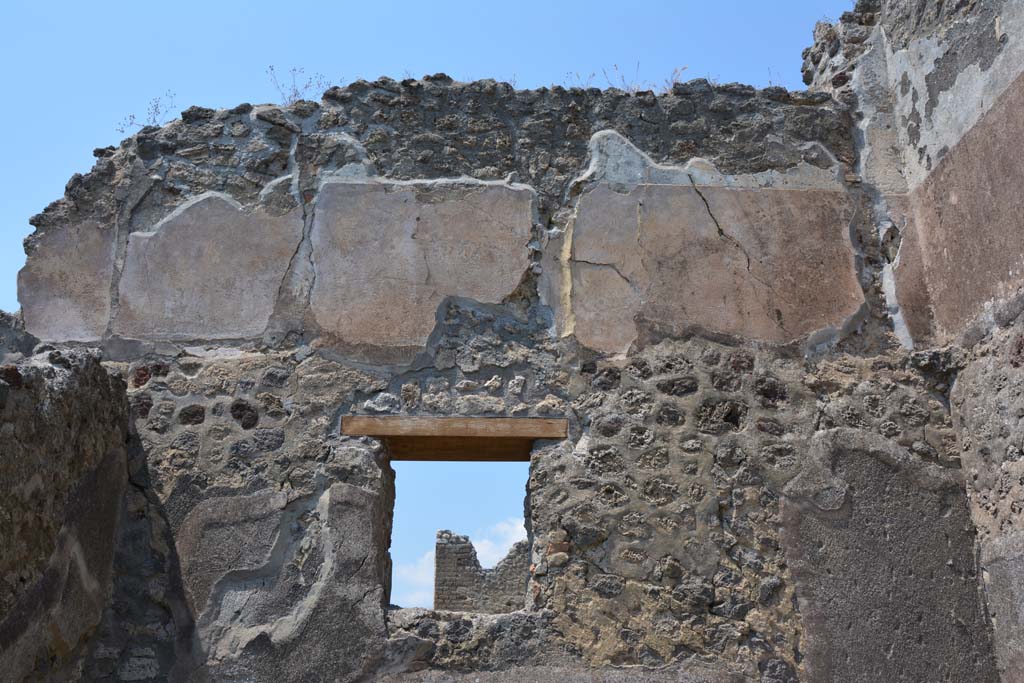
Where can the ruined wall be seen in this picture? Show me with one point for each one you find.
(462, 585)
(937, 89)
(719, 287)
(63, 470)
(291, 192)
(265, 503)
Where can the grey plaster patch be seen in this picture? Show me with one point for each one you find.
(857, 513)
(386, 254)
(210, 270)
(64, 288)
(965, 92)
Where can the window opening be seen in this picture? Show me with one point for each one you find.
(460, 532)
(453, 522)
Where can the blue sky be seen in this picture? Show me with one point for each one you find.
(73, 70)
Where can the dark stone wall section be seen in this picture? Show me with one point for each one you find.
(63, 469)
(883, 556)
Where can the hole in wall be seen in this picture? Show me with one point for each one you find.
(486, 501)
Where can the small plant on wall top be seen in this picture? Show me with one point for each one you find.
(297, 85)
(156, 114)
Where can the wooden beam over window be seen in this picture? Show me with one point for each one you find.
(489, 439)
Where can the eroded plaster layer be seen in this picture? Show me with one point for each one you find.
(64, 287)
(765, 256)
(386, 254)
(963, 251)
(948, 71)
(923, 74)
(210, 270)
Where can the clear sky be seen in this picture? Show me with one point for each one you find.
(72, 71)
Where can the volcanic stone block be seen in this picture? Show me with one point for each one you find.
(64, 288)
(210, 270)
(386, 254)
(884, 596)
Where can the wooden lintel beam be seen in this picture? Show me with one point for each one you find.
(482, 427)
(458, 448)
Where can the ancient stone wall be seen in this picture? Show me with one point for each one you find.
(775, 470)
(15, 343)
(937, 89)
(462, 585)
(986, 400)
(63, 470)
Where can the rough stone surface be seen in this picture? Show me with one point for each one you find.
(63, 428)
(15, 342)
(987, 402)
